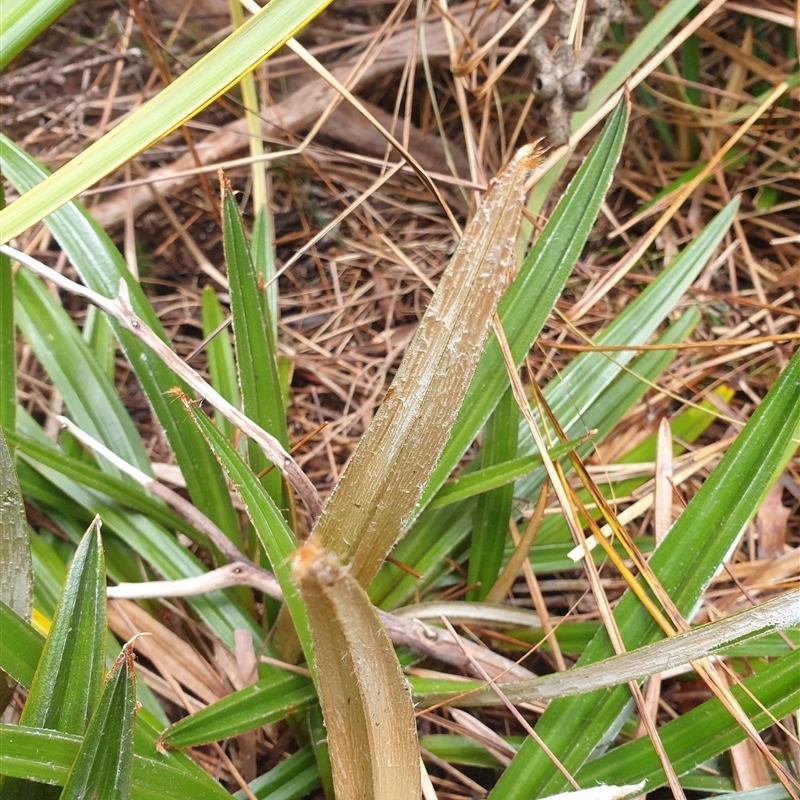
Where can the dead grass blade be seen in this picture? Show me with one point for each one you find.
(382, 484)
(372, 732)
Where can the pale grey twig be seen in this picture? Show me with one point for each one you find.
(426, 640)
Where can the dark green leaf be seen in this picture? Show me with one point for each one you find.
(268, 700)
(277, 539)
(254, 343)
(16, 571)
(8, 341)
(493, 510)
(103, 766)
(154, 778)
(20, 646)
(524, 309)
(69, 677)
(221, 366)
(93, 402)
(293, 779)
(703, 732)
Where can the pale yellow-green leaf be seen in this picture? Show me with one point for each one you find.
(365, 699)
(382, 484)
(210, 77)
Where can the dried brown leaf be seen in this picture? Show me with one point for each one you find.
(377, 494)
(365, 699)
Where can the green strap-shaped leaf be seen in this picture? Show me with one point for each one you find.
(692, 551)
(127, 494)
(104, 762)
(23, 21)
(294, 778)
(69, 676)
(8, 341)
(46, 756)
(221, 365)
(493, 509)
(210, 77)
(471, 483)
(588, 376)
(439, 532)
(540, 280)
(101, 268)
(705, 731)
(93, 403)
(255, 345)
(268, 700)
(275, 535)
(16, 571)
(20, 646)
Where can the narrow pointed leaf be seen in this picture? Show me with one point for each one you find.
(8, 341)
(684, 563)
(69, 676)
(92, 401)
(16, 570)
(294, 778)
(277, 539)
(23, 21)
(221, 366)
(101, 267)
(705, 731)
(104, 763)
(252, 333)
(493, 510)
(372, 735)
(588, 376)
(391, 466)
(210, 77)
(116, 489)
(269, 700)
